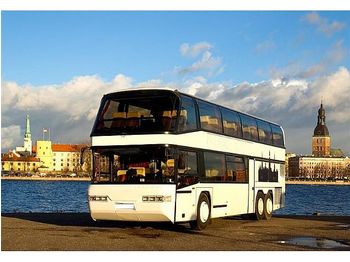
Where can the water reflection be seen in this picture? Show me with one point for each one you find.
(314, 242)
(345, 226)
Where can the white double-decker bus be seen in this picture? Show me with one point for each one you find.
(161, 155)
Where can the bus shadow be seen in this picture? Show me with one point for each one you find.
(84, 220)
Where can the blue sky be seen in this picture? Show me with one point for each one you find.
(52, 47)
(277, 65)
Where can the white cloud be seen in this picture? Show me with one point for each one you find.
(206, 63)
(121, 81)
(70, 108)
(323, 25)
(334, 55)
(195, 49)
(153, 83)
(75, 98)
(290, 102)
(9, 93)
(10, 136)
(265, 46)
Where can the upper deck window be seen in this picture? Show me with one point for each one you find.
(137, 112)
(187, 115)
(231, 122)
(277, 135)
(210, 117)
(265, 134)
(250, 130)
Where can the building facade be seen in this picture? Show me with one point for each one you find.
(44, 152)
(312, 167)
(14, 162)
(60, 158)
(286, 166)
(66, 157)
(45, 157)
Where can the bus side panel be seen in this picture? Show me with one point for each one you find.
(226, 199)
(229, 199)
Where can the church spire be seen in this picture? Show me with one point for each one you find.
(321, 115)
(28, 137)
(27, 133)
(321, 128)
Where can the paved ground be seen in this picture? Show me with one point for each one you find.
(55, 231)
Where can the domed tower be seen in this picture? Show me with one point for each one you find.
(321, 141)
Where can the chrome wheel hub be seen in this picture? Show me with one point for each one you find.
(204, 212)
(260, 206)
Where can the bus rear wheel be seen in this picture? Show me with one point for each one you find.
(268, 206)
(259, 206)
(203, 213)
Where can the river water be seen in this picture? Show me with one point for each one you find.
(66, 196)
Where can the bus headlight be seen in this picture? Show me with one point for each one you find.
(156, 198)
(98, 198)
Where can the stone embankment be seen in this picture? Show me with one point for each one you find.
(38, 178)
(48, 178)
(335, 183)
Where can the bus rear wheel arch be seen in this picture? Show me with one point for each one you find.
(203, 213)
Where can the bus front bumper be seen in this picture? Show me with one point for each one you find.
(149, 203)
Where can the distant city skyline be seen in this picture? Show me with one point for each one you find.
(276, 65)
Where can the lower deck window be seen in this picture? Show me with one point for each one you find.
(187, 168)
(236, 169)
(214, 165)
(224, 168)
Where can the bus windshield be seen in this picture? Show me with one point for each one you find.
(134, 165)
(137, 112)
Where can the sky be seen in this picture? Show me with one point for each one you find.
(277, 65)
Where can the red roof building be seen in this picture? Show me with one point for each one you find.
(15, 162)
(64, 148)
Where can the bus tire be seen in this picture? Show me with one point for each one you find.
(268, 206)
(259, 205)
(203, 213)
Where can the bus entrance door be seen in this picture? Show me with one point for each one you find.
(251, 189)
(185, 209)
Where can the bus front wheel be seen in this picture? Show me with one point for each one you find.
(203, 213)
